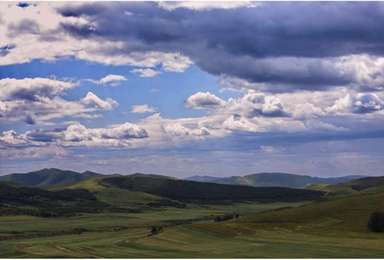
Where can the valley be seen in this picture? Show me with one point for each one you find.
(135, 218)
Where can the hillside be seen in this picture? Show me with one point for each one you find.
(334, 215)
(123, 198)
(199, 191)
(16, 200)
(274, 180)
(47, 178)
(351, 187)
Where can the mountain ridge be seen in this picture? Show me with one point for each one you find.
(51, 177)
(47, 177)
(270, 179)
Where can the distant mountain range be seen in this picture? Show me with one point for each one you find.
(52, 177)
(47, 178)
(54, 192)
(274, 179)
(184, 190)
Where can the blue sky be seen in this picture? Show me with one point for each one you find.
(192, 88)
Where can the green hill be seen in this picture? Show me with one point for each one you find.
(47, 178)
(16, 200)
(122, 198)
(272, 179)
(351, 187)
(334, 215)
(199, 191)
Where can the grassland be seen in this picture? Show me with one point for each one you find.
(263, 230)
(335, 227)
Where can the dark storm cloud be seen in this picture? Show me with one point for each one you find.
(5, 49)
(42, 136)
(279, 43)
(23, 4)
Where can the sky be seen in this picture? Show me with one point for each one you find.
(192, 88)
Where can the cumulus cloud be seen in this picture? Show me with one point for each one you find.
(31, 88)
(177, 129)
(146, 73)
(27, 36)
(110, 79)
(11, 138)
(92, 100)
(271, 53)
(206, 5)
(140, 109)
(76, 134)
(117, 135)
(265, 50)
(40, 99)
(360, 103)
(204, 100)
(255, 104)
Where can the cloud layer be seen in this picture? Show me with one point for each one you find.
(40, 99)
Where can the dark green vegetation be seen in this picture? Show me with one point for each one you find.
(37, 202)
(130, 222)
(274, 179)
(376, 222)
(47, 178)
(208, 192)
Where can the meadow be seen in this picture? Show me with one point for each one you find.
(188, 232)
(117, 221)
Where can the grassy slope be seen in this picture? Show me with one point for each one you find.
(119, 197)
(335, 227)
(198, 191)
(47, 178)
(34, 201)
(351, 187)
(341, 215)
(112, 235)
(122, 235)
(275, 180)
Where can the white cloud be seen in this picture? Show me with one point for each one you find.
(201, 100)
(358, 72)
(32, 88)
(35, 100)
(146, 72)
(49, 42)
(92, 100)
(116, 135)
(110, 79)
(142, 109)
(254, 104)
(360, 103)
(206, 5)
(11, 138)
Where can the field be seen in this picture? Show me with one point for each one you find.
(191, 232)
(138, 217)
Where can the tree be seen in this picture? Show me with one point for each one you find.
(156, 230)
(376, 222)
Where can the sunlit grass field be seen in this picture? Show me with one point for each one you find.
(331, 228)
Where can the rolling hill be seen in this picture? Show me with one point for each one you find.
(334, 215)
(47, 178)
(351, 187)
(274, 180)
(15, 200)
(185, 190)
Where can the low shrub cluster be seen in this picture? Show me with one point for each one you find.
(376, 222)
(226, 217)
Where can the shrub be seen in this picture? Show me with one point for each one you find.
(226, 217)
(376, 222)
(156, 230)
